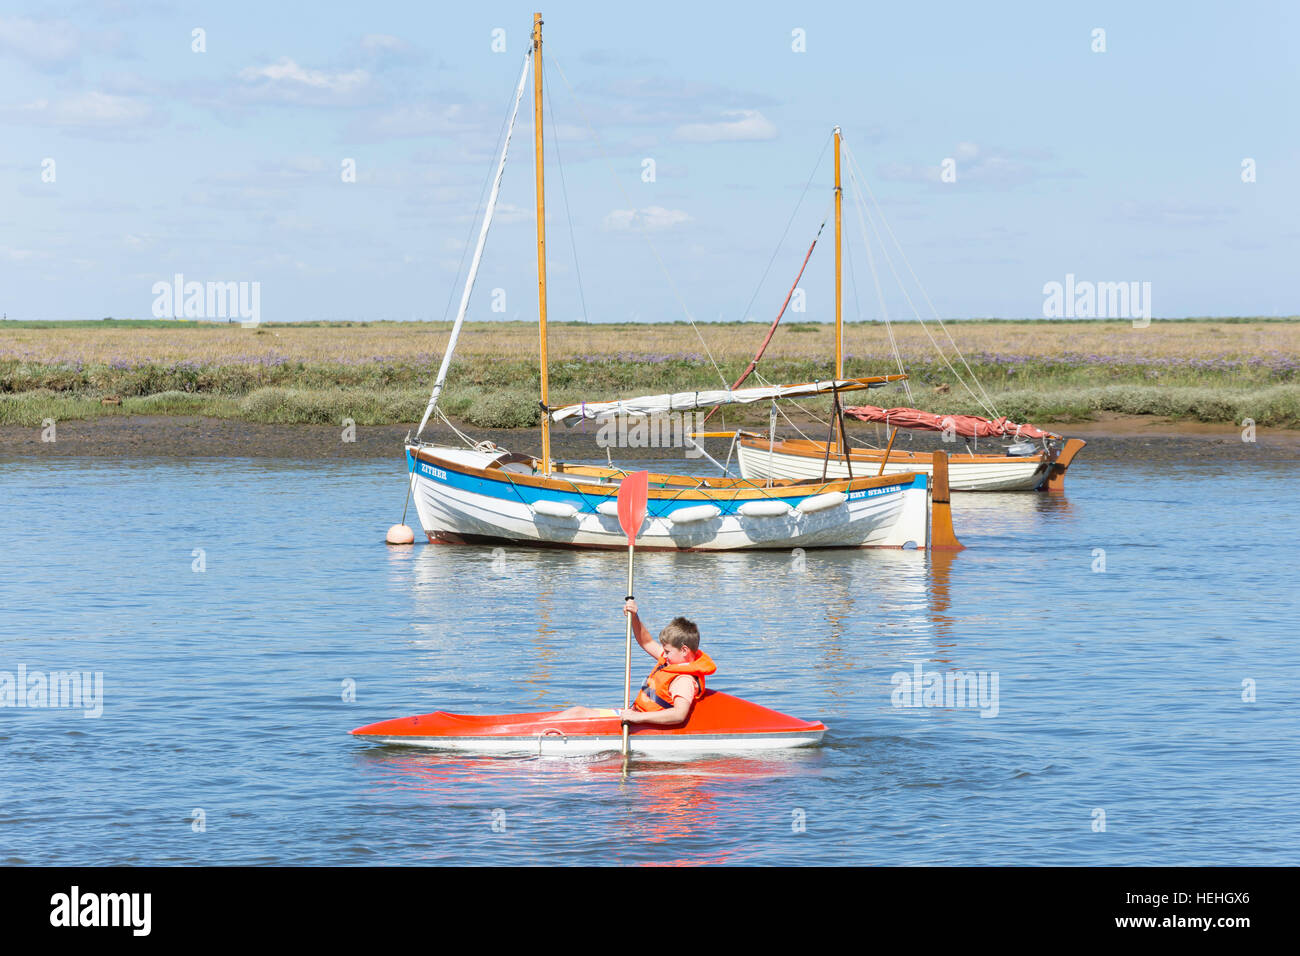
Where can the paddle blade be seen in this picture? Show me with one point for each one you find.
(632, 494)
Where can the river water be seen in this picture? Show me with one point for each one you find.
(246, 614)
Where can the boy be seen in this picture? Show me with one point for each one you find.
(675, 684)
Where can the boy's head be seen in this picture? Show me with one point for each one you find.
(681, 634)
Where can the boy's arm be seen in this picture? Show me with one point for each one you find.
(683, 691)
(642, 633)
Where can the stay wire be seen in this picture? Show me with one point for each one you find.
(858, 206)
(564, 189)
(780, 242)
(469, 236)
(907, 296)
(653, 250)
(986, 402)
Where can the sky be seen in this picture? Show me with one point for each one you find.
(1005, 150)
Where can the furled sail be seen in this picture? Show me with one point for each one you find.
(968, 426)
(685, 401)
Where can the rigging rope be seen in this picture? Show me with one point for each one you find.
(866, 241)
(780, 242)
(985, 401)
(857, 305)
(451, 296)
(460, 434)
(564, 189)
(811, 414)
(478, 252)
(653, 250)
(753, 364)
(926, 295)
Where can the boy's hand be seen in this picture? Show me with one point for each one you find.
(629, 606)
(629, 716)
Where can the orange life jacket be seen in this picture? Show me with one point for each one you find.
(655, 693)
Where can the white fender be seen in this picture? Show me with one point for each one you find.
(764, 508)
(608, 508)
(697, 513)
(553, 509)
(821, 502)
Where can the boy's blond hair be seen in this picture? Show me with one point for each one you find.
(681, 633)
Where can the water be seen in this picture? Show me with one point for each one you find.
(1118, 691)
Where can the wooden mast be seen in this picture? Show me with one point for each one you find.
(837, 415)
(541, 237)
(839, 254)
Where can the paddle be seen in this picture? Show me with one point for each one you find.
(632, 494)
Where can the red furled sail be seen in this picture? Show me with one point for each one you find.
(968, 426)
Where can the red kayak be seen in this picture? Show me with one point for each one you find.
(719, 724)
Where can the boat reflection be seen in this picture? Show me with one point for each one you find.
(939, 574)
(522, 629)
(559, 604)
(1005, 514)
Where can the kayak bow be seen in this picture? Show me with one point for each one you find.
(719, 724)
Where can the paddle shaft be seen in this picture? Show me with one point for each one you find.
(627, 654)
(632, 491)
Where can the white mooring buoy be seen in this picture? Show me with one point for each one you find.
(400, 534)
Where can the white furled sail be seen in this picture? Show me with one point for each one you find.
(684, 401)
(478, 250)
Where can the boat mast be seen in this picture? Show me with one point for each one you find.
(839, 254)
(541, 236)
(837, 410)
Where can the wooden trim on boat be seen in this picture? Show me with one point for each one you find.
(808, 448)
(942, 536)
(1056, 476)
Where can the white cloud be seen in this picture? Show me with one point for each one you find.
(85, 111)
(651, 218)
(288, 82)
(377, 42)
(745, 125)
(51, 45)
(55, 46)
(1175, 213)
(980, 166)
(506, 214)
(414, 121)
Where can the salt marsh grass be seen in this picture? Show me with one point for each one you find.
(379, 373)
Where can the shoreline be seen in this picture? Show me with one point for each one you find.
(167, 436)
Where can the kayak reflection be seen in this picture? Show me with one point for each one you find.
(656, 802)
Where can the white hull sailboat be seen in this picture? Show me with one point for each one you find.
(1020, 467)
(485, 494)
(798, 459)
(1030, 458)
(491, 496)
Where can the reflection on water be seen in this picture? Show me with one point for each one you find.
(740, 600)
(228, 688)
(1008, 514)
(676, 806)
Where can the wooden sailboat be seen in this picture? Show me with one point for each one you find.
(485, 494)
(1033, 459)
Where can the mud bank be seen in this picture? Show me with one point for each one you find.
(195, 437)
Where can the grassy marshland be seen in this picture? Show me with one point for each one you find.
(380, 373)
